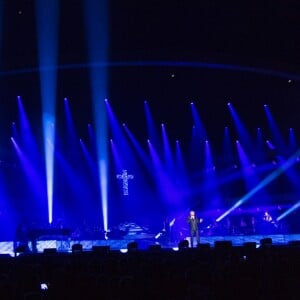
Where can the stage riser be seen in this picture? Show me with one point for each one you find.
(7, 247)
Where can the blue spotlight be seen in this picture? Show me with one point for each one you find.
(271, 177)
(270, 145)
(290, 210)
(241, 129)
(201, 132)
(49, 158)
(14, 130)
(96, 18)
(276, 135)
(47, 13)
(292, 140)
(150, 125)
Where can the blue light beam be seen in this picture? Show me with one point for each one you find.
(289, 211)
(96, 18)
(271, 177)
(47, 15)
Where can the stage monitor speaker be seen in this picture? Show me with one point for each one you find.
(22, 248)
(49, 250)
(132, 246)
(203, 246)
(76, 248)
(222, 245)
(184, 244)
(249, 245)
(155, 248)
(101, 249)
(295, 243)
(266, 242)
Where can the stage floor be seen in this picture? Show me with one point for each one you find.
(65, 245)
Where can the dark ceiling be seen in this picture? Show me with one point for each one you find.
(260, 33)
(256, 34)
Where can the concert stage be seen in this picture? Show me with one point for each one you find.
(65, 245)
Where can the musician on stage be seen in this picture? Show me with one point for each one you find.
(267, 217)
(193, 221)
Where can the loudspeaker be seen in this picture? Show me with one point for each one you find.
(266, 242)
(294, 243)
(184, 244)
(101, 249)
(203, 246)
(76, 248)
(249, 245)
(221, 245)
(155, 248)
(21, 249)
(132, 246)
(49, 250)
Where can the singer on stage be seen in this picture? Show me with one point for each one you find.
(193, 221)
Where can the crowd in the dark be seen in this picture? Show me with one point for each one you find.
(205, 272)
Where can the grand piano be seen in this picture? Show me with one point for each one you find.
(54, 233)
(32, 235)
